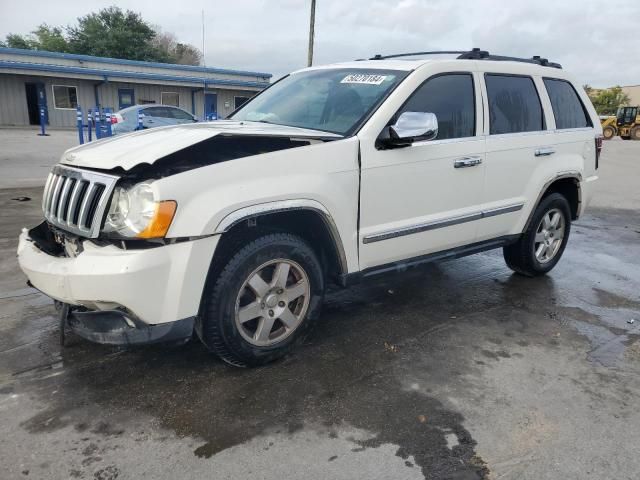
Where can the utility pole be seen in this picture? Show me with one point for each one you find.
(311, 32)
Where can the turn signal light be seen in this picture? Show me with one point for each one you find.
(161, 221)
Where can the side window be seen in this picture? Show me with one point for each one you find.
(160, 112)
(452, 99)
(514, 105)
(180, 114)
(568, 110)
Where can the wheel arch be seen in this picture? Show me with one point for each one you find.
(567, 184)
(305, 217)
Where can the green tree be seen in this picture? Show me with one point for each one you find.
(50, 39)
(14, 40)
(113, 33)
(42, 38)
(607, 101)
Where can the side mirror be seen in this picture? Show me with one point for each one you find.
(411, 127)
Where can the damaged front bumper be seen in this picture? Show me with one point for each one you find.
(114, 327)
(133, 294)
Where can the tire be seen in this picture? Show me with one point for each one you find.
(608, 132)
(249, 322)
(522, 256)
(635, 133)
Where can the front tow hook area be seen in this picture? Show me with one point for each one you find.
(114, 327)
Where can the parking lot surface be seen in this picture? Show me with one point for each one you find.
(457, 370)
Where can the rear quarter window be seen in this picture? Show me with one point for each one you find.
(568, 109)
(514, 105)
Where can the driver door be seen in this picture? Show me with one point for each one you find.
(425, 198)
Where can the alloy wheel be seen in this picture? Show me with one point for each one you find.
(272, 302)
(549, 236)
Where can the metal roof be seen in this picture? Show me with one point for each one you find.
(106, 74)
(139, 63)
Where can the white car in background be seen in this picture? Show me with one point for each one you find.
(333, 174)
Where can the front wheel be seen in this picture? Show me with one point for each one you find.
(263, 301)
(540, 247)
(608, 132)
(635, 133)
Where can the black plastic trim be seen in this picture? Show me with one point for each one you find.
(113, 327)
(449, 254)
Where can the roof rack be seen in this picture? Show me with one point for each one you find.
(474, 54)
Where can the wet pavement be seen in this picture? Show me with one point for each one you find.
(459, 370)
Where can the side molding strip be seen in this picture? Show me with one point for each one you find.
(447, 222)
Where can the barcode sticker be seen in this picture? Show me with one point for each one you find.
(362, 78)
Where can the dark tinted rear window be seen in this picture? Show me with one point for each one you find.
(514, 105)
(567, 107)
(451, 98)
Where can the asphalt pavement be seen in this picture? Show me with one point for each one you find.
(458, 370)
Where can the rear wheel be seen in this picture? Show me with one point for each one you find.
(263, 301)
(608, 132)
(540, 247)
(635, 133)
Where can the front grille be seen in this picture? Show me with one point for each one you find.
(75, 200)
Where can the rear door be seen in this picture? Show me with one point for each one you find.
(518, 140)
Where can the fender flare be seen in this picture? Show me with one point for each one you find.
(261, 209)
(571, 174)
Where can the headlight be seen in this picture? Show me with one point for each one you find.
(134, 213)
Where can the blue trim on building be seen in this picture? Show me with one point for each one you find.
(106, 74)
(116, 61)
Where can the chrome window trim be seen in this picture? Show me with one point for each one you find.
(520, 134)
(576, 129)
(54, 215)
(446, 141)
(445, 222)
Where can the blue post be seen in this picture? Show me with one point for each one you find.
(97, 123)
(89, 122)
(43, 121)
(79, 123)
(140, 115)
(107, 116)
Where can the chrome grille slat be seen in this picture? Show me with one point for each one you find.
(84, 209)
(63, 198)
(56, 195)
(69, 190)
(47, 189)
(73, 202)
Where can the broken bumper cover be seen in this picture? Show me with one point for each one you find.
(113, 327)
(154, 285)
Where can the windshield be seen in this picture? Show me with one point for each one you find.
(335, 100)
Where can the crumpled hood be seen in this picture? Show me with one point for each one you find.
(147, 146)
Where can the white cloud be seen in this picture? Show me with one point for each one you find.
(271, 35)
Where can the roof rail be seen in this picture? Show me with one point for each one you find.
(474, 54)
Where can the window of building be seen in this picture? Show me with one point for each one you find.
(451, 97)
(239, 101)
(514, 105)
(65, 97)
(568, 110)
(170, 98)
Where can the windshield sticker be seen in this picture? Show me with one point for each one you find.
(365, 79)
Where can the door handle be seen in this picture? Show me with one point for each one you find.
(544, 151)
(467, 162)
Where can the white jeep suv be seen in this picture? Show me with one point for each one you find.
(234, 228)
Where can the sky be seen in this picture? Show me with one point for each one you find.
(594, 40)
